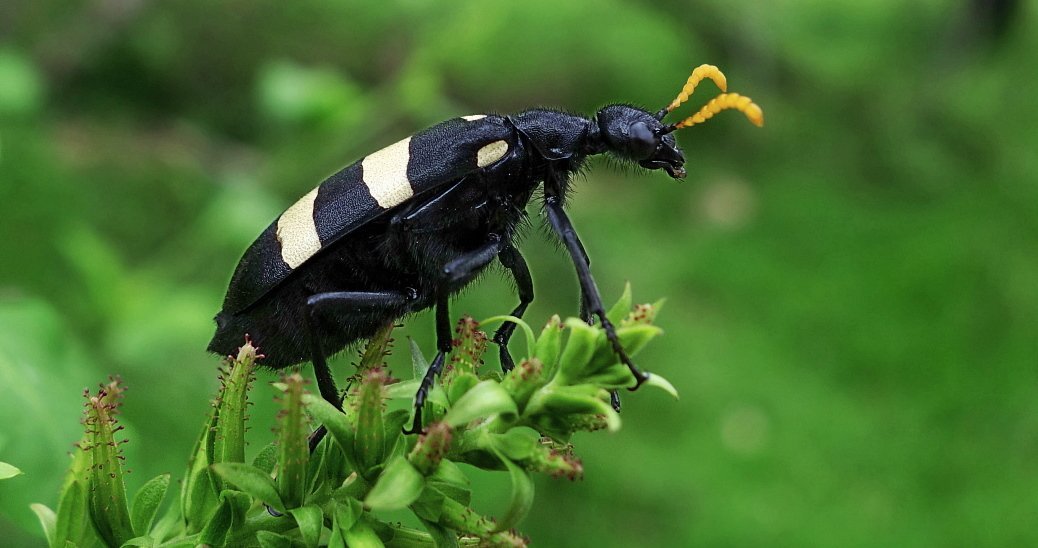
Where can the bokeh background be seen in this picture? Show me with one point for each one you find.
(852, 314)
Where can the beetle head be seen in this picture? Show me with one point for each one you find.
(634, 134)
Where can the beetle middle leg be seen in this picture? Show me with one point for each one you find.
(514, 262)
(350, 300)
(453, 273)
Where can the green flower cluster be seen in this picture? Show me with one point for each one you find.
(519, 423)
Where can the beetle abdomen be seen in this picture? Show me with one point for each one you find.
(362, 192)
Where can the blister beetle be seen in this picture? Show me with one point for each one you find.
(406, 227)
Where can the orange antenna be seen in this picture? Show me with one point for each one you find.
(699, 74)
(724, 101)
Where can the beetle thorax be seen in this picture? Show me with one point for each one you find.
(556, 135)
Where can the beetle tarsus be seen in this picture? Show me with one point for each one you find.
(423, 392)
(516, 264)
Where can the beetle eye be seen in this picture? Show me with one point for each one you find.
(643, 141)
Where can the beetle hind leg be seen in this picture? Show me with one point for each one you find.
(350, 300)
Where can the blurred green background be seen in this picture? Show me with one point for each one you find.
(852, 313)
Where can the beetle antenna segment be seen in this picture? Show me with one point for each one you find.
(724, 101)
(699, 74)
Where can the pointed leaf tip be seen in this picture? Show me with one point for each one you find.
(663, 384)
(483, 400)
(399, 485)
(8, 471)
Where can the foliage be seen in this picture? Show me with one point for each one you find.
(365, 467)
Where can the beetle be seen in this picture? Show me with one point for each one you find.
(408, 226)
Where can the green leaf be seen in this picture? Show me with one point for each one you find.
(522, 495)
(348, 512)
(549, 344)
(198, 496)
(579, 348)
(7, 471)
(240, 503)
(361, 535)
(451, 481)
(270, 539)
(429, 505)
(661, 383)
(73, 523)
(336, 422)
(579, 399)
(419, 365)
(462, 383)
(622, 307)
(310, 520)
(442, 537)
(215, 530)
(437, 397)
(190, 541)
(48, 520)
(632, 338)
(394, 422)
(251, 480)
(614, 376)
(335, 540)
(484, 399)
(229, 517)
(518, 443)
(170, 524)
(399, 485)
(403, 390)
(635, 337)
(267, 458)
(146, 503)
(140, 541)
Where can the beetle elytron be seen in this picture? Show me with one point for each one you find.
(406, 227)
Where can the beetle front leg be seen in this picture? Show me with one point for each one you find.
(514, 262)
(452, 273)
(563, 227)
(589, 317)
(585, 308)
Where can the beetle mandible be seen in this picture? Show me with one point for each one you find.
(408, 226)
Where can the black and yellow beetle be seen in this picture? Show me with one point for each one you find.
(406, 227)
